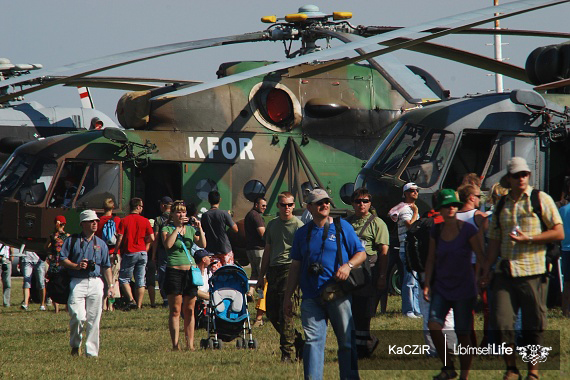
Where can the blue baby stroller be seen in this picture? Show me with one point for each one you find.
(228, 316)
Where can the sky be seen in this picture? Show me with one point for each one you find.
(60, 32)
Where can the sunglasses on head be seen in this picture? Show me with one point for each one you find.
(179, 203)
(520, 175)
(323, 202)
(286, 204)
(358, 201)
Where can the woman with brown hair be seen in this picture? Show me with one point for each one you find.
(178, 238)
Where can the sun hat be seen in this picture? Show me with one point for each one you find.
(447, 197)
(409, 186)
(87, 216)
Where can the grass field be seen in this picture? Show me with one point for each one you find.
(136, 345)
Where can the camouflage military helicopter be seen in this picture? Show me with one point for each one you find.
(261, 128)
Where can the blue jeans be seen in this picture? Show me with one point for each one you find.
(314, 316)
(410, 288)
(133, 262)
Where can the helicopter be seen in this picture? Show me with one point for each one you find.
(28, 121)
(262, 128)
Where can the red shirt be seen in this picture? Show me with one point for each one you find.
(134, 228)
(99, 233)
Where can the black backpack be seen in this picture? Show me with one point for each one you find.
(552, 249)
(417, 244)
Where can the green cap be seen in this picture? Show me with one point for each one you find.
(447, 197)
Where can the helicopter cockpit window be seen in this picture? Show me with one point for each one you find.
(13, 173)
(391, 160)
(36, 182)
(101, 182)
(427, 163)
(67, 185)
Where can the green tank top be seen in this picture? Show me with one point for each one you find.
(176, 255)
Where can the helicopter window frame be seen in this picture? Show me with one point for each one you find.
(426, 157)
(391, 150)
(80, 183)
(85, 191)
(34, 194)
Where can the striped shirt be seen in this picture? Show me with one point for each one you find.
(525, 259)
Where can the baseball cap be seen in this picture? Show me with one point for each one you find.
(165, 200)
(317, 195)
(447, 197)
(61, 219)
(409, 186)
(201, 253)
(515, 165)
(87, 216)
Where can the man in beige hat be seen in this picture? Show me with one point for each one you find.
(86, 258)
(520, 235)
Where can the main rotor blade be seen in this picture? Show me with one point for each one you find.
(553, 85)
(125, 83)
(78, 69)
(466, 20)
(376, 30)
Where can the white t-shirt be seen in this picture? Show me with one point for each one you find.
(406, 213)
(205, 277)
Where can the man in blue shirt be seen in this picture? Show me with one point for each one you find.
(86, 258)
(315, 270)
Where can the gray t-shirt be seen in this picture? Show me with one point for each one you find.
(279, 234)
(215, 223)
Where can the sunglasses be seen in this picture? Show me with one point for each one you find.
(477, 195)
(359, 201)
(286, 204)
(323, 202)
(520, 175)
(179, 203)
(413, 191)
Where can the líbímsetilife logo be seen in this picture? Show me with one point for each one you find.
(534, 353)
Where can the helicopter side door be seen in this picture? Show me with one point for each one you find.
(155, 181)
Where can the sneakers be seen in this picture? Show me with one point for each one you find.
(42, 308)
(446, 373)
(75, 351)
(23, 306)
(411, 315)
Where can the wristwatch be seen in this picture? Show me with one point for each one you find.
(350, 265)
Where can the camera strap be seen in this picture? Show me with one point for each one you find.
(324, 238)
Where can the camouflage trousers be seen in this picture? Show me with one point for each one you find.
(276, 283)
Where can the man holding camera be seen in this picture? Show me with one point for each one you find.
(520, 236)
(314, 267)
(86, 258)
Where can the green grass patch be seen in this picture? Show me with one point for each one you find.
(136, 345)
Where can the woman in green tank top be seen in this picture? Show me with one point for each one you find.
(182, 233)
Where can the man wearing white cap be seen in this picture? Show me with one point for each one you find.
(405, 214)
(86, 258)
(524, 222)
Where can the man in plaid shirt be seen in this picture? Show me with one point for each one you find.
(517, 236)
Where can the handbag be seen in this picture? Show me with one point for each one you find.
(197, 279)
(58, 284)
(359, 276)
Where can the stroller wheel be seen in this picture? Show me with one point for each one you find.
(252, 344)
(209, 344)
(218, 344)
(204, 343)
(238, 343)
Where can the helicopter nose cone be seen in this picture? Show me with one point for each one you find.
(311, 10)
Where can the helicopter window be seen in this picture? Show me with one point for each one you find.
(203, 188)
(346, 192)
(395, 155)
(254, 189)
(426, 165)
(13, 173)
(101, 182)
(37, 182)
(67, 185)
(275, 106)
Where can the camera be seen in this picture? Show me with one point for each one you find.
(90, 265)
(315, 269)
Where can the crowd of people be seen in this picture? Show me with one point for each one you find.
(498, 254)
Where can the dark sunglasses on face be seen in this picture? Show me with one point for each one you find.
(323, 202)
(520, 175)
(358, 201)
(413, 191)
(477, 195)
(286, 204)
